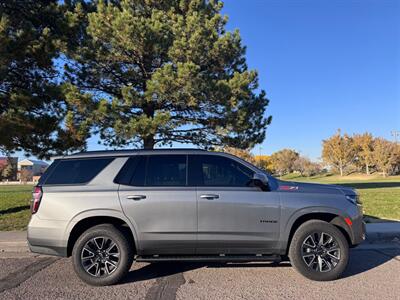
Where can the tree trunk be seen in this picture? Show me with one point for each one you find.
(367, 168)
(341, 169)
(148, 142)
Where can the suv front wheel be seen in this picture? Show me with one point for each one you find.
(319, 251)
(102, 255)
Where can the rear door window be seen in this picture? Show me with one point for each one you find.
(166, 170)
(76, 171)
(154, 170)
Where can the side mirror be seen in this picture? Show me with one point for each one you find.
(261, 180)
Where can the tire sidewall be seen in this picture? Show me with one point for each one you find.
(126, 255)
(296, 247)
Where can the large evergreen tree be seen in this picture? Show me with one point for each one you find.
(34, 115)
(165, 71)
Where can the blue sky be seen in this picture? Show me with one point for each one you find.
(324, 65)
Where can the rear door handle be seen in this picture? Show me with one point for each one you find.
(209, 196)
(136, 197)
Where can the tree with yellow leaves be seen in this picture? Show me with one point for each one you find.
(339, 151)
(386, 155)
(364, 144)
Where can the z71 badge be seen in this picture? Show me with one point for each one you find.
(288, 188)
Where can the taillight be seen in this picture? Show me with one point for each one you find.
(36, 197)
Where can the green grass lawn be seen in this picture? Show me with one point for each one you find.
(14, 206)
(380, 196)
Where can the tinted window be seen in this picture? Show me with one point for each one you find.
(132, 173)
(166, 170)
(153, 170)
(75, 171)
(209, 170)
(139, 172)
(47, 173)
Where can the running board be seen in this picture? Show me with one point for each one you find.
(209, 258)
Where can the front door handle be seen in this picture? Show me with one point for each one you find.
(209, 196)
(136, 197)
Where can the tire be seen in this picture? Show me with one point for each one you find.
(97, 261)
(322, 262)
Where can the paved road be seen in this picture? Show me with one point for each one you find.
(372, 274)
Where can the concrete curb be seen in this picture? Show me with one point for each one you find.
(383, 232)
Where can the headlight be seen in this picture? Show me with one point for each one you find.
(355, 199)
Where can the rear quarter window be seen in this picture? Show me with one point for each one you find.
(132, 173)
(75, 171)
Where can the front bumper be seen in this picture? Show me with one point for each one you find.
(358, 232)
(357, 229)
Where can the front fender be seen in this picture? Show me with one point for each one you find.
(292, 217)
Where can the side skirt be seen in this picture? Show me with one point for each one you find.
(210, 258)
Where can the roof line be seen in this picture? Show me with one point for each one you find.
(125, 152)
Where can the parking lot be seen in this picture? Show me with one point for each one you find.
(372, 274)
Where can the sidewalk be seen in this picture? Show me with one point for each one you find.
(13, 241)
(378, 235)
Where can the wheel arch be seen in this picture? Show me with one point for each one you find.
(331, 217)
(86, 221)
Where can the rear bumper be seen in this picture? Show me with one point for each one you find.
(47, 237)
(48, 250)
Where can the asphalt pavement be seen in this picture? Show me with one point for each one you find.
(373, 273)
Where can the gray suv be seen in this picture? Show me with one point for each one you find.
(107, 209)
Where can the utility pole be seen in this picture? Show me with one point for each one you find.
(395, 134)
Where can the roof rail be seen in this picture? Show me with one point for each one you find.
(125, 152)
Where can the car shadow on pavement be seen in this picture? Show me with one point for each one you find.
(160, 269)
(360, 261)
(364, 260)
(163, 269)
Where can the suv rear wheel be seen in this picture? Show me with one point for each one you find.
(319, 251)
(102, 255)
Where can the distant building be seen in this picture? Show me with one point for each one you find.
(11, 173)
(32, 167)
(35, 179)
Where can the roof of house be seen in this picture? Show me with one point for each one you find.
(33, 162)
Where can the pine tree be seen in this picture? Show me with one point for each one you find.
(167, 71)
(33, 109)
